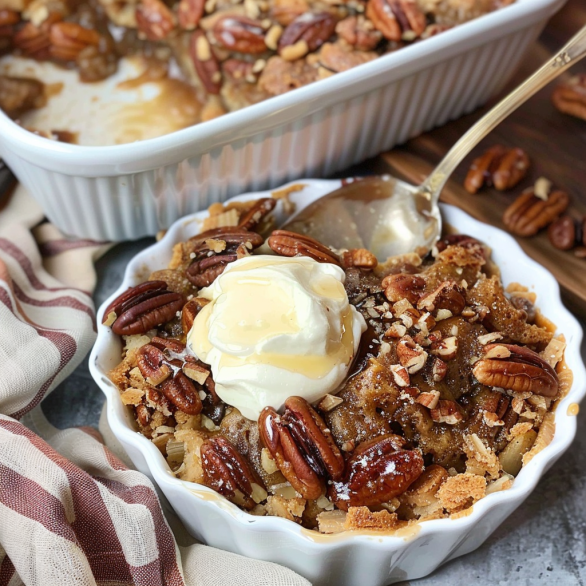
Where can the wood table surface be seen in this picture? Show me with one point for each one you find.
(555, 143)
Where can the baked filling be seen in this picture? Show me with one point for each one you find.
(222, 55)
(444, 382)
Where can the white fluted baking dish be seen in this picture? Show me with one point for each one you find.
(346, 559)
(128, 191)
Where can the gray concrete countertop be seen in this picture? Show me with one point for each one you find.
(543, 542)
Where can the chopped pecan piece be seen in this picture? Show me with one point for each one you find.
(287, 243)
(402, 286)
(499, 166)
(141, 308)
(447, 412)
(570, 97)
(411, 355)
(227, 472)
(448, 295)
(378, 470)
(521, 371)
(359, 258)
(302, 446)
(190, 311)
(528, 213)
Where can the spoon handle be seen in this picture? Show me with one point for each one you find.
(567, 56)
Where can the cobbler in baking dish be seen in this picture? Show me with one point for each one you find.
(223, 54)
(332, 390)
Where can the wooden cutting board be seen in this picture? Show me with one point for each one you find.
(555, 143)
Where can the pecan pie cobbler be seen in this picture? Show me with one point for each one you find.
(332, 390)
(230, 53)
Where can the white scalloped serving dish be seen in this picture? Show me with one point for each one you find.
(347, 559)
(123, 192)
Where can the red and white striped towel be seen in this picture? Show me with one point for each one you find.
(71, 512)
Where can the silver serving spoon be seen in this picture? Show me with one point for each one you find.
(391, 217)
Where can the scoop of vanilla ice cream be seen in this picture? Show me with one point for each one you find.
(276, 327)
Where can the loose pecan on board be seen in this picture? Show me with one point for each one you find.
(528, 213)
(499, 166)
(570, 97)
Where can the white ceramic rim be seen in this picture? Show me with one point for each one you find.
(524, 483)
(168, 149)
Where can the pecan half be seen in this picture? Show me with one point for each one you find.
(302, 446)
(227, 472)
(182, 393)
(33, 41)
(378, 470)
(528, 213)
(403, 286)
(519, 370)
(566, 232)
(570, 97)
(190, 311)
(142, 308)
(396, 19)
(239, 33)
(252, 219)
(499, 166)
(291, 244)
(448, 295)
(189, 13)
(207, 265)
(69, 39)
(205, 62)
(152, 365)
(313, 28)
(359, 32)
(154, 19)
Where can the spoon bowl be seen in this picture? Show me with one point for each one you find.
(383, 214)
